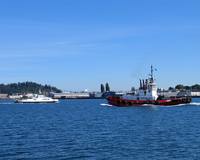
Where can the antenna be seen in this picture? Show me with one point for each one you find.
(152, 72)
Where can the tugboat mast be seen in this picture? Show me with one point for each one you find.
(151, 75)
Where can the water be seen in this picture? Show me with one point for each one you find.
(91, 129)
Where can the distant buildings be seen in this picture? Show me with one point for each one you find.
(195, 94)
(3, 96)
(71, 95)
(177, 93)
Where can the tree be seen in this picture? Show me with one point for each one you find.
(171, 89)
(107, 87)
(102, 88)
(180, 87)
(133, 89)
(187, 88)
(195, 87)
(27, 87)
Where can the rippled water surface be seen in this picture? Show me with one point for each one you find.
(90, 129)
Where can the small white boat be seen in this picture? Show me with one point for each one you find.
(36, 99)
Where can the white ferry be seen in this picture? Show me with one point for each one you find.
(36, 99)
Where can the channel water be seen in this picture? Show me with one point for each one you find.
(92, 129)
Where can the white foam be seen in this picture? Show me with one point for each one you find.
(195, 103)
(186, 104)
(151, 105)
(105, 104)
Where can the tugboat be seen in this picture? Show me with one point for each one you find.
(146, 95)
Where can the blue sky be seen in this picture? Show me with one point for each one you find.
(78, 44)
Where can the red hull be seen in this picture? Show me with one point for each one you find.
(118, 101)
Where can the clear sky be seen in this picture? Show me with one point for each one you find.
(78, 44)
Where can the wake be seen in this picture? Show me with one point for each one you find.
(148, 105)
(194, 104)
(105, 104)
